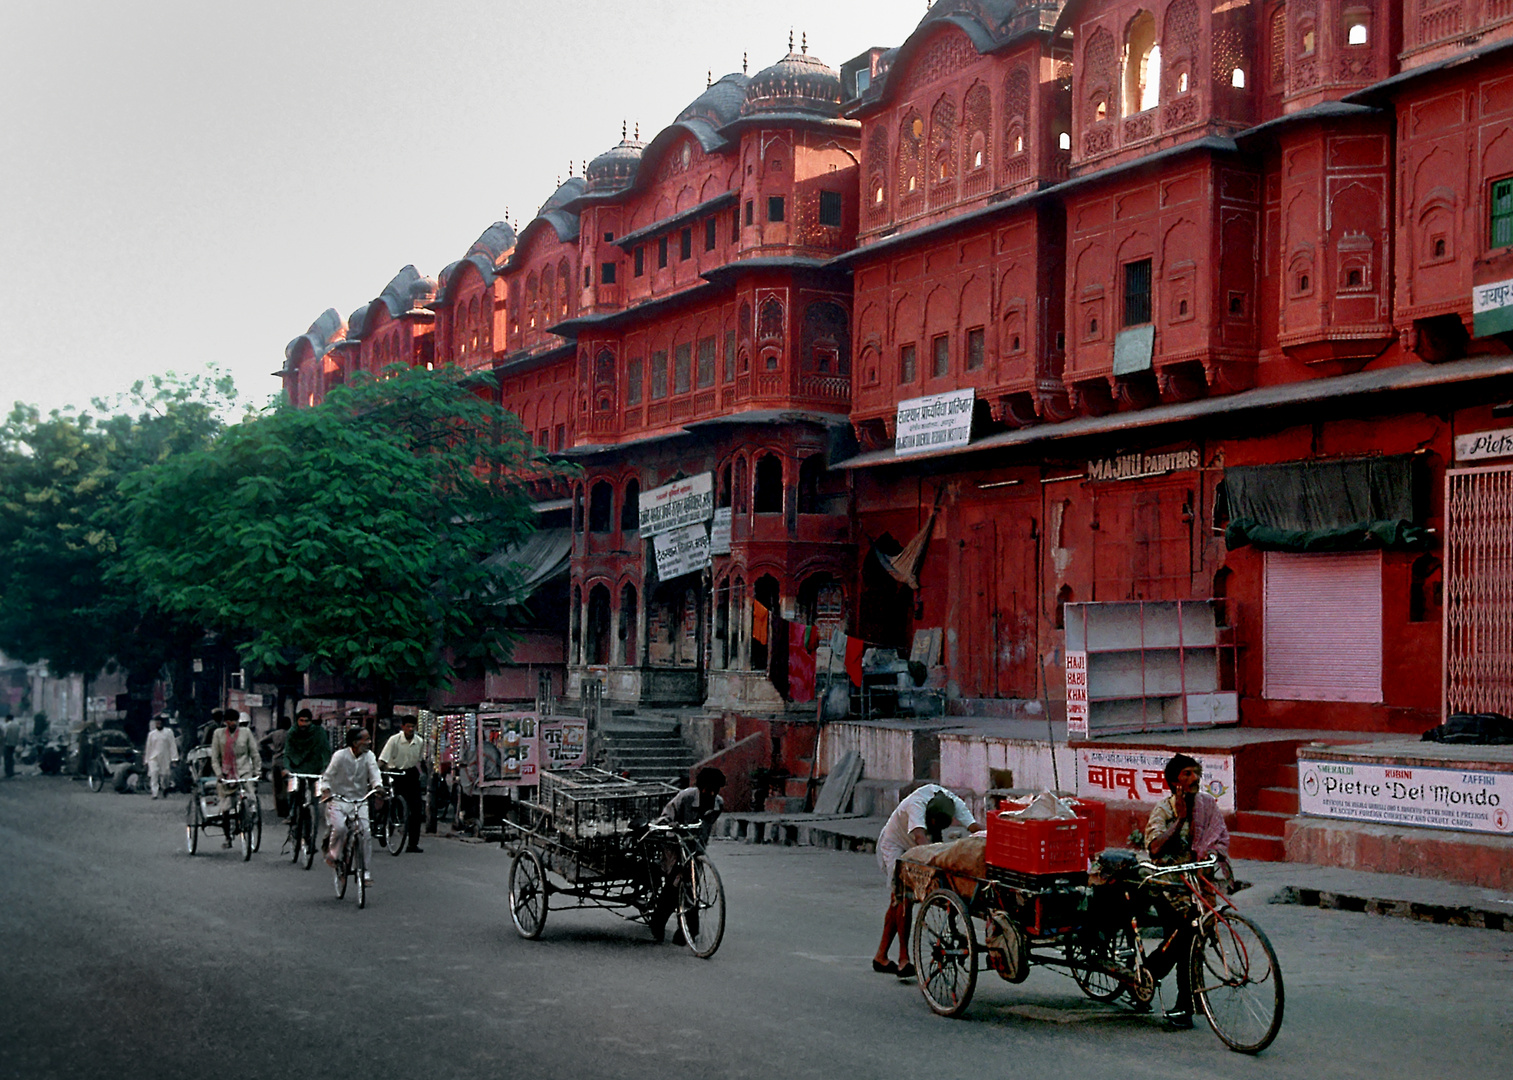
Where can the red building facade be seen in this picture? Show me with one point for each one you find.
(1165, 244)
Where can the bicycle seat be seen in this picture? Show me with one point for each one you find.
(1119, 864)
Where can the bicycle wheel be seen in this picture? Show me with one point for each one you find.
(343, 867)
(528, 894)
(1090, 956)
(360, 874)
(257, 823)
(701, 907)
(1238, 983)
(295, 836)
(944, 949)
(396, 816)
(244, 828)
(96, 775)
(194, 821)
(307, 832)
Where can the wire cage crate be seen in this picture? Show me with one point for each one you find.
(592, 807)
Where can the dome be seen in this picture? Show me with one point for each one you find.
(796, 83)
(616, 167)
(720, 103)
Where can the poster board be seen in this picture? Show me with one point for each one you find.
(507, 749)
(676, 505)
(564, 742)
(1116, 772)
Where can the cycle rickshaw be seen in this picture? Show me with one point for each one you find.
(243, 820)
(590, 840)
(1088, 926)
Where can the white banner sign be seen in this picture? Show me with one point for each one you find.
(1435, 798)
(681, 552)
(1140, 775)
(719, 532)
(1484, 444)
(1076, 694)
(930, 423)
(672, 506)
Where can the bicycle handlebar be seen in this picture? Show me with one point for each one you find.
(1153, 870)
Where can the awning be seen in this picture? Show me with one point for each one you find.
(537, 559)
(1342, 505)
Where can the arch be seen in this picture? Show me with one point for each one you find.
(596, 641)
(738, 485)
(911, 155)
(601, 503)
(1142, 65)
(577, 507)
(722, 486)
(630, 507)
(626, 643)
(564, 287)
(875, 169)
(977, 120)
(822, 603)
(811, 470)
(767, 485)
(766, 591)
(1179, 47)
(825, 345)
(1100, 68)
(770, 327)
(942, 140)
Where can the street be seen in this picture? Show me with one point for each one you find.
(126, 957)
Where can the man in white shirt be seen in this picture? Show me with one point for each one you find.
(920, 818)
(161, 752)
(353, 773)
(401, 754)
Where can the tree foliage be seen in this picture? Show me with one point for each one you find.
(348, 538)
(61, 522)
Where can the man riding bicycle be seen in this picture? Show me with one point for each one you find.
(307, 748)
(698, 805)
(402, 754)
(352, 774)
(233, 757)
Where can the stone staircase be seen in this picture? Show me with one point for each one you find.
(1258, 831)
(646, 749)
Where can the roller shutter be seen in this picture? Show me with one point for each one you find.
(1323, 626)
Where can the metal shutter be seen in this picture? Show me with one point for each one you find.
(1323, 633)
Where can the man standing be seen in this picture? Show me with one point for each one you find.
(161, 751)
(10, 734)
(401, 754)
(276, 739)
(921, 817)
(1185, 825)
(351, 775)
(233, 757)
(699, 805)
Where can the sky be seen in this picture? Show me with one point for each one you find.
(192, 182)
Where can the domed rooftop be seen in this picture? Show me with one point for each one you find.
(616, 167)
(798, 83)
(325, 330)
(406, 291)
(720, 103)
(493, 242)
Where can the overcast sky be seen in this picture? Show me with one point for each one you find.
(193, 181)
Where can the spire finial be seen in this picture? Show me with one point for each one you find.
(743, 63)
(622, 130)
(790, 39)
(806, 43)
(638, 131)
(585, 166)
(709, 78)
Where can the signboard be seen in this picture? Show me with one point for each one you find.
(676, 505)
(934, 422)
(681, 552)
(1492, 308)
(1484, 444)
(564, 742)
(1131, 466)
(508, 750)
(1464, 800)
(1133, 349)
(719, 532)
(1076, 694)
(1140, 775)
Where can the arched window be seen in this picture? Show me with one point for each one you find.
(601, 504)
(942, 140)
(630, 508)
(738, 486)
(563, 277)
(911, 156)
(767, 491)
(577, 496)
(547, 308)
(1142, 65)
(811, 469)
(596, 645)
(626, 627)
(530, 301)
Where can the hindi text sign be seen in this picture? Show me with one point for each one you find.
(1076, 693)
(681, 552)
(1140, 775)
(676, 505)
(934, 422)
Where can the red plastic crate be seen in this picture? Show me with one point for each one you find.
(1038, 846)
(1096, 812)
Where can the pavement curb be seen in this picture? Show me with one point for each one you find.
(1440, 914)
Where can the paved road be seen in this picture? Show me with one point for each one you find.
(124, 957)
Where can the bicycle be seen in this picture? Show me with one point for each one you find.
(353, 861)
(390, 824)
(701, 894)
(302, 839)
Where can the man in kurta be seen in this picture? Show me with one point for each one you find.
(233, 757)
(401, 754)
(161, 751)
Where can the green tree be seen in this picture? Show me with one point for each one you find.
(61, 521)
(350, 538)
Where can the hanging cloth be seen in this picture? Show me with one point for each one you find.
(904, 567)
(802, 640)
(758, 622)
(855, 647)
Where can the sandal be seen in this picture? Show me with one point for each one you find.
(906, 972)
(885, 967)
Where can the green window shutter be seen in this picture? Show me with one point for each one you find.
(1502, 213)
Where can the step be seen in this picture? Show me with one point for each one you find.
(1252, 846)
(1278, 800)
(1282, 776)
(1261, 823)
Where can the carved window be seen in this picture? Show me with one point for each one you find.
(710, 234)
(682, 362)
(546, 296)
(530, 301)
(661, 253)
(633, 382)
(1142, 65)
(658, 374)
(706, 361)
(911, 154)
(1357, 26)
(1137, 292)
(639, 259)
(877, 168)
(977, 116)
(743, 322)
(730, 356)
(942, 139)
(1278, 48)
(1016, 110)
(1178, 55)
(940, 356)
(976, 347)
(685, 244)
(604, 368)
(907, 364)
(1100, 63)
(826, 342)
(767, 491)
(772, 320)
(1306, 35)
(830, 208)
